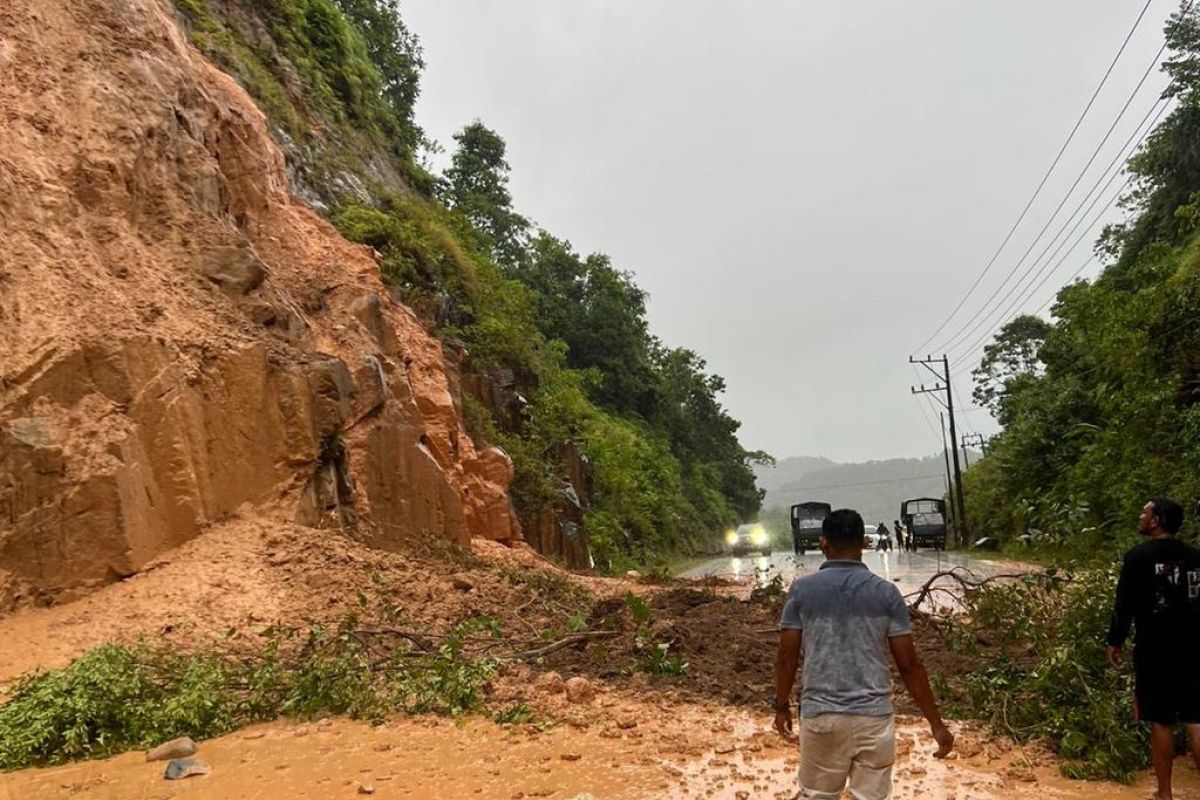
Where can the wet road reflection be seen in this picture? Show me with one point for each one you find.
(909, 571)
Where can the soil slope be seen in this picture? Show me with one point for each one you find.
(180, 340)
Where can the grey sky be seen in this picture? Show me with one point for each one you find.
(804, 188)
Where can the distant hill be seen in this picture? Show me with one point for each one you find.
(875, 488)
(789, 470)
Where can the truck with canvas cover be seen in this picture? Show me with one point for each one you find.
(925, 518)
(806, 525)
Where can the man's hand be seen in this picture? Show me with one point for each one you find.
(944, 739)
(1115, 656)
(783, 720)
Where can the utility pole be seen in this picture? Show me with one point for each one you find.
(946, 455)
(943, 385)
(969, 439)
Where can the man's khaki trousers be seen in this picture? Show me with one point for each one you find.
(840, 748)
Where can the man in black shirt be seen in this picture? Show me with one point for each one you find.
(1159, 594)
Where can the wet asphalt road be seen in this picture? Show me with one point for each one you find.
(908, 570)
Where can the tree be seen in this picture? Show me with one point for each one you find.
(396, 53)
(1011, 355)
(476, 186)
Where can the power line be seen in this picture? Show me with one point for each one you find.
(965, 354)
(967, 330)
(1042, 183)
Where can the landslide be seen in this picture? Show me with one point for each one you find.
(182, 343)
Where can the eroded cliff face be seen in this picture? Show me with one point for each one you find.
(180, 340)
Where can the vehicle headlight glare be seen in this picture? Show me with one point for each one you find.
(759, 536)
(730, 537)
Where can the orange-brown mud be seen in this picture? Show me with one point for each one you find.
(622, 748)
(705, 734)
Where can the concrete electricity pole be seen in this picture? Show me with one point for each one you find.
(943, 385)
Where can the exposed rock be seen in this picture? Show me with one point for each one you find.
(366, 788)
(237, 270)
(137, 405)
(181, 768)
(579, 690)
(461, 583)
(176, 748)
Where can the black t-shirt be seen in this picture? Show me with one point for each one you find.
(1159, 594)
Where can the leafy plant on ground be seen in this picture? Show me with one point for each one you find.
(1045, 674)
(116, 698)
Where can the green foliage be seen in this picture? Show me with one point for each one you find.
(340, 78)
(637, 608)
(1047, 676)
(476, 186)
(1101, 409)
(117, 698)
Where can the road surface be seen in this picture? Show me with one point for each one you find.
(908, 570)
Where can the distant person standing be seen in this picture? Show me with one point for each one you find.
(901, 539)
(852, 625)
(1158, 593)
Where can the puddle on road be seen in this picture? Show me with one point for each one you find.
(712, 754)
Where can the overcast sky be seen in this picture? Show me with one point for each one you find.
(805, 189)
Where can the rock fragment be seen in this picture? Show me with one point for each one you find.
(579, 690)
(180, 768)
(176, 748)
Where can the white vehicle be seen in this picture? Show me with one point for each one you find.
(748, 538)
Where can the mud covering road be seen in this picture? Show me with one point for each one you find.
(621, 748)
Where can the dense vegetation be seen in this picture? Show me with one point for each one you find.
(116, 698)
(1100, 407)
(667, 470)
(1038, 670)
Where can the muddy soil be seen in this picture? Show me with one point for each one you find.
(702, 734)
(620, 747)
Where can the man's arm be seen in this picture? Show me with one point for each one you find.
(916, 680)
(786, 660)
(1122, 616)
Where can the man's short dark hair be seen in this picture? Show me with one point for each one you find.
(1169, 513)
(844, 528)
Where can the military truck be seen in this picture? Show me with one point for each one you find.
(925, 518)
(806, 525)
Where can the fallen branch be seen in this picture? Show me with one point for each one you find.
(566, 641)
(969, 581)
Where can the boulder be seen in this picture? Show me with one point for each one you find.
(236, 270)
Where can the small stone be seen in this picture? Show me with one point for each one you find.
(462, 584)
(579, 690)
(626, 724)
(633, 574)
(301, 731)
(180, 768)
(255, 735)
(176, 748)
(725, 747)
(550, 683)
(366, 788)
(570, 756)
(742, 795)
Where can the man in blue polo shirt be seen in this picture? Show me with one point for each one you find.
(852, 624)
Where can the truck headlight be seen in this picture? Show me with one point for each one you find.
(730, 537)
(759, 536)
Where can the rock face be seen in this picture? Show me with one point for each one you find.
(182, 341)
